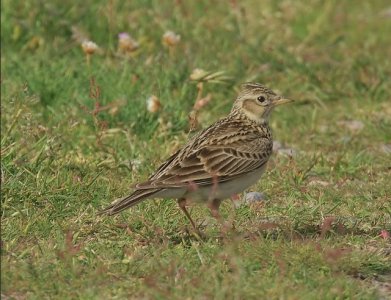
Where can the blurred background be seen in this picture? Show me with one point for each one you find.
(95, 94)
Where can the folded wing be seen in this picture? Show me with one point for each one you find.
(237, 155)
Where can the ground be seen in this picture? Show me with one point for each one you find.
(76, 133)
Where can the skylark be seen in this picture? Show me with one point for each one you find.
(220, 161)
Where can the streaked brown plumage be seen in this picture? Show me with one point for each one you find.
(222, 160)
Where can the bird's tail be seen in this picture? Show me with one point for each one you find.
(128, 201)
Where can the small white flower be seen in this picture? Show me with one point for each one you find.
(89, 47)
(171, 39)
(153, 104)
(126, 43)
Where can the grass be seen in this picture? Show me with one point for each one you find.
(76, 136)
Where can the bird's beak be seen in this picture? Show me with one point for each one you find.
(281, 100)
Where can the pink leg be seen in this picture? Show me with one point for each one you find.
(214, 206)
(182, 205)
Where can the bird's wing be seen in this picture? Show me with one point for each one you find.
(221, 157)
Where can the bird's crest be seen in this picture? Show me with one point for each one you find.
(252, 87)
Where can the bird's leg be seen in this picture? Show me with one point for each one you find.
(214, 206)
(215, 180)
(235, 198)
(182, 205)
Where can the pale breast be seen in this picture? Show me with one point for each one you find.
(226, 189)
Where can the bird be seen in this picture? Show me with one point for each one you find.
(218, 162)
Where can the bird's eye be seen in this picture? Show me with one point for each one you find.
(261, 99)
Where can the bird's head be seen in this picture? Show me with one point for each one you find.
(257, 101)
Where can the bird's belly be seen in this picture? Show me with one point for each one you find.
(226, 189)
